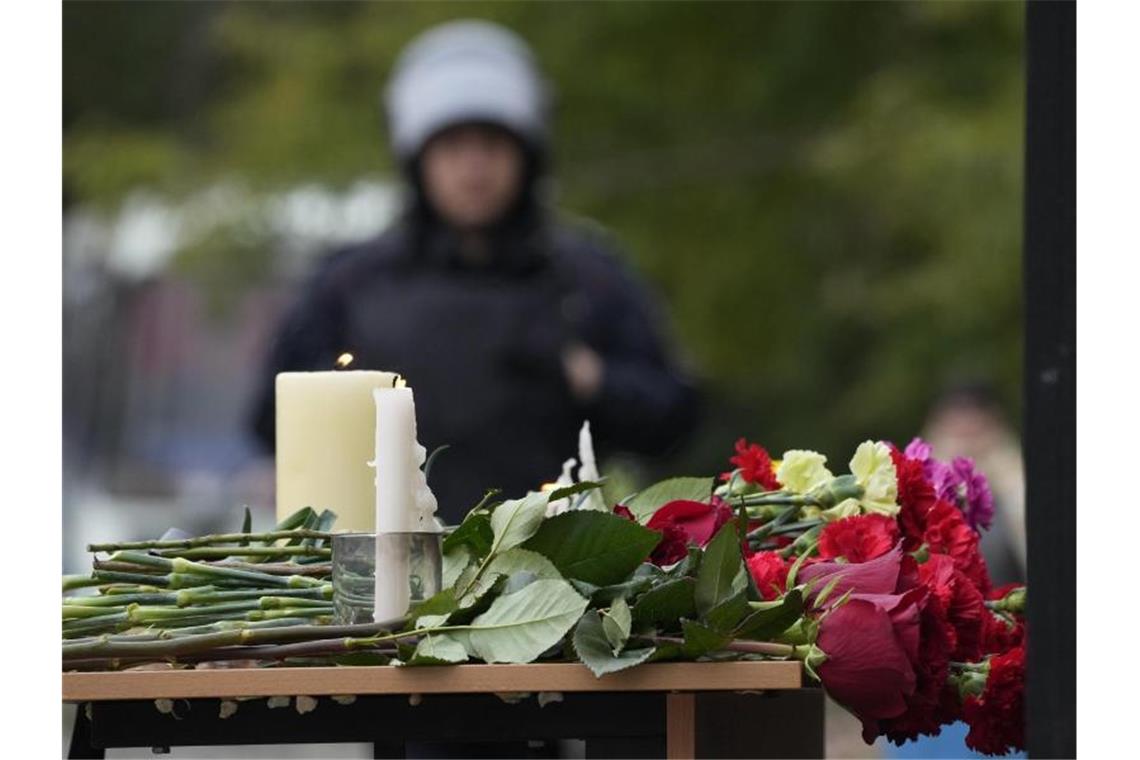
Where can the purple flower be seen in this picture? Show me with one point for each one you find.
(941, 475)
(974, 493)
(919, 449)
(959, 483)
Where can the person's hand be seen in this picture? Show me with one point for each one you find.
(584, 369)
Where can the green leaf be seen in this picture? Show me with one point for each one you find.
(645, 503)
(665, 604)
(478, 598)
(454, 563)
(595, 547)
(442, 603)
(519, 568)
(700, 639)
(517, 581)
(595, 651)
(523, 560)
(513, 522)
(604, 595)
(574, 489)
(246, 526)
(519, 627)
(323, 523)
(722, 572)
(822, 596)
(438, 649)
(616, 624)
(689, 565)
(474, 532)
(431, 621)
(295, 520)
(725, 616)
(772, 620)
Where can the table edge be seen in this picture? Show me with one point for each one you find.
(454, 679)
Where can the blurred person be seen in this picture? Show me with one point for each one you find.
(511, 323)
(968, 420)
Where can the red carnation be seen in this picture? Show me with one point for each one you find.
(755, 465)
(946, 532)
(868, 667)
(858, 538)
(770, 572)
(915, 498)
(1000, 635)
(932, 703)
(997, 718)
(684, 523)
(964, 605)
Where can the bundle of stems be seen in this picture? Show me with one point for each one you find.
(165, 593)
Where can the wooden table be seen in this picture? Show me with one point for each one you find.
(681, 710)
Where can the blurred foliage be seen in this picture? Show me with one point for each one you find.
(828, 195)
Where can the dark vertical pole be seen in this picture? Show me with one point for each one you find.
(1050, 375)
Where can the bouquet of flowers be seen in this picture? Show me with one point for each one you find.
(872, 578)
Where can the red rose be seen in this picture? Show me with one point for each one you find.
(932, 703)
(946, 532)
(915, 498)
(859, 538)
(876, 576)
(770, 572)
(623, 511)
(964, 605)
(685, 523)
(868, 668)
(997, 718)
(755, 465)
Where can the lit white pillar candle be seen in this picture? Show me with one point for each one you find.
(404, 504)
(326, 428)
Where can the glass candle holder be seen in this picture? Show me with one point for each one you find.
(411, 570)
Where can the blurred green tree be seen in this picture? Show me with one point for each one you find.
(827, 194)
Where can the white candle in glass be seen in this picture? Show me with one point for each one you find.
(404, 503)
(395, 458)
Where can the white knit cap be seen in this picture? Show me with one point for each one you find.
(459, 72)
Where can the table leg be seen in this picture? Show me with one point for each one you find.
(680, 726)
(81, 746)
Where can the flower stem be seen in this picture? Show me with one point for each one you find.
(217, 538)
(108, 646)
(771, 648)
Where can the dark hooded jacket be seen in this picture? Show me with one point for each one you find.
(481, 345)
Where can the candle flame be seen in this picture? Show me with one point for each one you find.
(547, 487)
(344, 360)
(399, 382)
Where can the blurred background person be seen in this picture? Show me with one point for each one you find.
(968, 420)
(511, 323)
